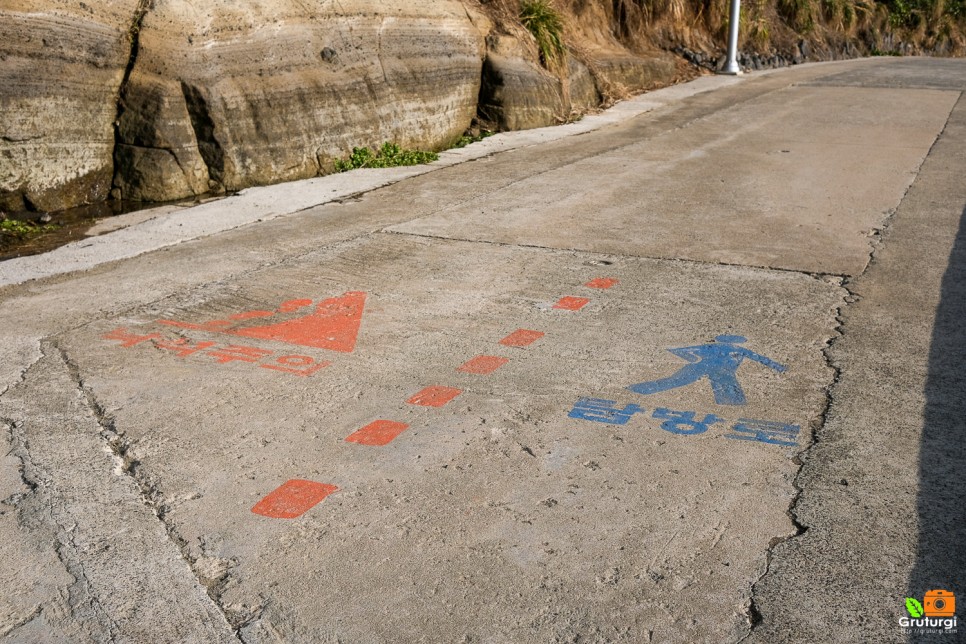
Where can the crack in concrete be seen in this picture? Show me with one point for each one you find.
(151, 495)
(752, 613)
(841, 281)
(878, 241)
(23, 371)
(21, 450)
(20, 623)
(80, 592)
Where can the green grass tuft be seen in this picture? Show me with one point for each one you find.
(799, 14)
(546, 24)
(466, 139)
(389, 155)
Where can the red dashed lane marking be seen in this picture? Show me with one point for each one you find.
(603, 282)
(339, 319)
(378, 432)
(435, 396)
(522, 338)
(293, 499)
(483, 365)
(571, 303)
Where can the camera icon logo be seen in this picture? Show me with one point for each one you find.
(939, 603)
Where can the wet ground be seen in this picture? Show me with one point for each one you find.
(53, 230)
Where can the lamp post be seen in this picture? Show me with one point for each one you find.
(731, 65)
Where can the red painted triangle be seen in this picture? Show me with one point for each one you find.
(334, 325)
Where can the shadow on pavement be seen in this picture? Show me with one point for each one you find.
(941, 560)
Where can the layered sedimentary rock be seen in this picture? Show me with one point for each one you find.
(518, 93)
(61, 66)
(165, 99)
(238, 93)
(629, 73)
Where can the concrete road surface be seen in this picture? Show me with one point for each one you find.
(689, 371)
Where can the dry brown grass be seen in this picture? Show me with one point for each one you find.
(768, 26)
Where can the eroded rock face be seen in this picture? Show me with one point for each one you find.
(633, 74)
(239, 93)
(61, 66)
(166, 99)
(519, 94)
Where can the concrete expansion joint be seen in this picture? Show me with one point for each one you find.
(151, 495)
(703, 116)
(834, 279)
(486, 242)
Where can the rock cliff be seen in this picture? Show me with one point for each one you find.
(61, 67)
(154, 100)
(233, 94)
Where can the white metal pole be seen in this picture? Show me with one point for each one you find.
(731, 65)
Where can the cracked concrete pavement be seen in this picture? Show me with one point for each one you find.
(499, 338)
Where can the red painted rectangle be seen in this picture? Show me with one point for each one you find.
(378, 432)
(293, 499)
(436, 396)
(522, 338)
(483, 364)
(603, 282)
(571, 303)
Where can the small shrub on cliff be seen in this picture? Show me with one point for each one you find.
(546, 24)
(389, 155)
(800, 14)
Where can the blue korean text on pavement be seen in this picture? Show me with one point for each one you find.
(765, 431)
(687, 423)
(603, 411)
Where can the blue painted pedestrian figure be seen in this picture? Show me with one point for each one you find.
(718, 362)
